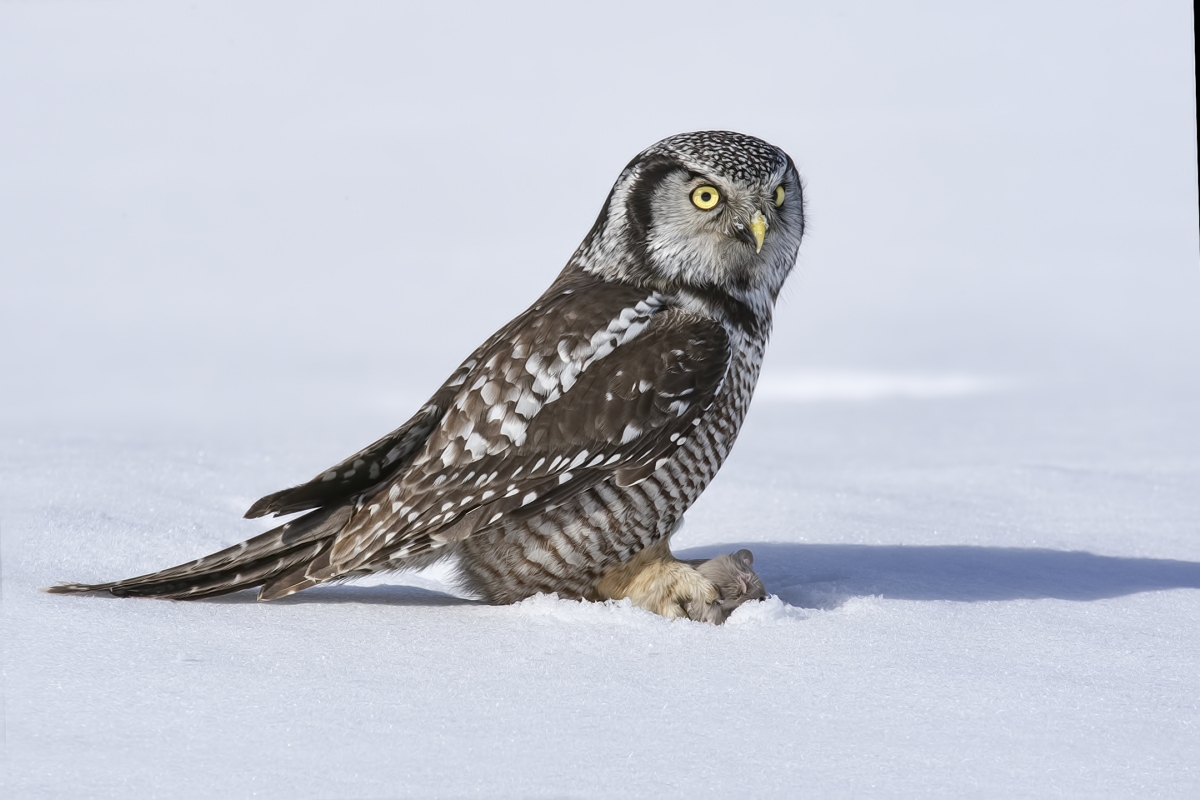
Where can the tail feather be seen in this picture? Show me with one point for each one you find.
(230, 580)
(250, 563)
(296, 579)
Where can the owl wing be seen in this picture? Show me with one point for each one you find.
(378, 462)
(584, 388)
(360, 472)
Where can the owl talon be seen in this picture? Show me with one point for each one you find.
(704, 591)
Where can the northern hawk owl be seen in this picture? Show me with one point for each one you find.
(562, 454)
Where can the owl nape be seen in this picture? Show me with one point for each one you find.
(561, 456)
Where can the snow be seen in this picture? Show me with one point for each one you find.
(242, 240)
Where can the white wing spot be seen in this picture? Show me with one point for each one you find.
(476, 445)
(514, 428)
(490, 392)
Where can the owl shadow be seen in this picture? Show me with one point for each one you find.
(824, 576)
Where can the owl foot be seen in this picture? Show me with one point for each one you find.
(704, 591)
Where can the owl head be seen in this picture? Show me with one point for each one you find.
(709, 211)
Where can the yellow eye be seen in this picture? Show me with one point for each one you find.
(779, 194)
(706, 197)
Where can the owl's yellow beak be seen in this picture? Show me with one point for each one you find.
(758, 227)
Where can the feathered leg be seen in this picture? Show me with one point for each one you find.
(705, 591)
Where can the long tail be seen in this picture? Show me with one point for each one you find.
(276, 558)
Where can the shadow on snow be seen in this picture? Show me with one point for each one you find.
(826, 575)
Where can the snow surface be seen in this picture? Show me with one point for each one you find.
(241, 240)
